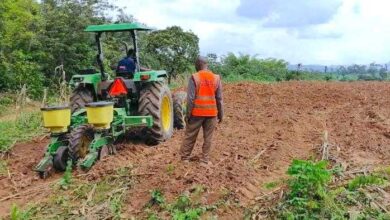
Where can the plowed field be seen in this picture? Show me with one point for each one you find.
(265, 127)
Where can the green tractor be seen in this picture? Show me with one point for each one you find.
(103, 109)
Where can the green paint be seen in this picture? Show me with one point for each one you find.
(120, 112)
(155, 75)
(117, 27)
(89, 160)
(55, 143)
(99, 141)
(45, 163)
(138, 121)
(87, 79)
(121, 118)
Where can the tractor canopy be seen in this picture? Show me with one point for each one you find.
(132, 28)
(117, 27)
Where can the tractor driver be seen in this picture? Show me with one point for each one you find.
(127, 64)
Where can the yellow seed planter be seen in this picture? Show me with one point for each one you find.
(100, 114)
(57, 118)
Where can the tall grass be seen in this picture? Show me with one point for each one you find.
(25, 127)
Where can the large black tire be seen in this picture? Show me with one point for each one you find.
(79, 141)
(80, 97)
(61, 158)
(179, 109)
(151, 102)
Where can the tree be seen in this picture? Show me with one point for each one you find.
(175, 49)
(383, 73)
(373, 69)
(20, 22)
(63, 33)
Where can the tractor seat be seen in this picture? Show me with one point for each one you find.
(125, 74)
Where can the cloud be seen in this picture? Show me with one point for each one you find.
(288, 13)
(310, 33)
(303, 31)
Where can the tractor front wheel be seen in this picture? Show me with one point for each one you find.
(80, 97)
(156, 100)
(79, 141)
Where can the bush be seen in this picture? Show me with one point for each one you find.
(310, 195)
(245, 67)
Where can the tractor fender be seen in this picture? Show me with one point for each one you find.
(154, 75)
(89, 81)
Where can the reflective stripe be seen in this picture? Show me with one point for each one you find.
(206, 84)
(205, 106)
(206, 98)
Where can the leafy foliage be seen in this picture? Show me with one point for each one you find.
(66, 179)
(184, 207)
(308, 179)
(307, 188)
(17, 214)
(174, 49)
(245, 67)
(310, 195)
(19, 42)
(233, 67)
(157, 197)
(65, 42)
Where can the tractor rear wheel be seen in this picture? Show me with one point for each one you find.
(179, 108)
(79, 141)
(156, 100)
(80, 97)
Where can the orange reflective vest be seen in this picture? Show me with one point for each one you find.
(205, 104)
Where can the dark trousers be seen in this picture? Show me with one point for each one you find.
(192, 130)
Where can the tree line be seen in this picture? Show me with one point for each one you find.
(363, 72)
(36, 37)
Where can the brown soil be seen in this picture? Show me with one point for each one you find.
(265, 127)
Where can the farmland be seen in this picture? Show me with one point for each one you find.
(266, 127)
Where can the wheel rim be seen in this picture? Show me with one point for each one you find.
(83, 146)
(166, 113)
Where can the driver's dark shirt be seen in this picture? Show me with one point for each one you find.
(126, 65)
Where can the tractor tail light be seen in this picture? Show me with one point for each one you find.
(118, 88)
(145, 77)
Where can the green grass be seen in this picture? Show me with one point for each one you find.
(271, 185)
(3, 168)
(102, 199)
(170, 169)
(187, 206)
(6, 101)
(27, 126)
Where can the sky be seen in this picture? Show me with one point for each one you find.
(327, 32)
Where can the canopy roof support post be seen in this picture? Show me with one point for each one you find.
(135, 46)
(100, 55)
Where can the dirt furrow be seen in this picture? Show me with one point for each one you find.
(266, 126)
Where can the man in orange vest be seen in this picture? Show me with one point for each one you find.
(204, 109)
